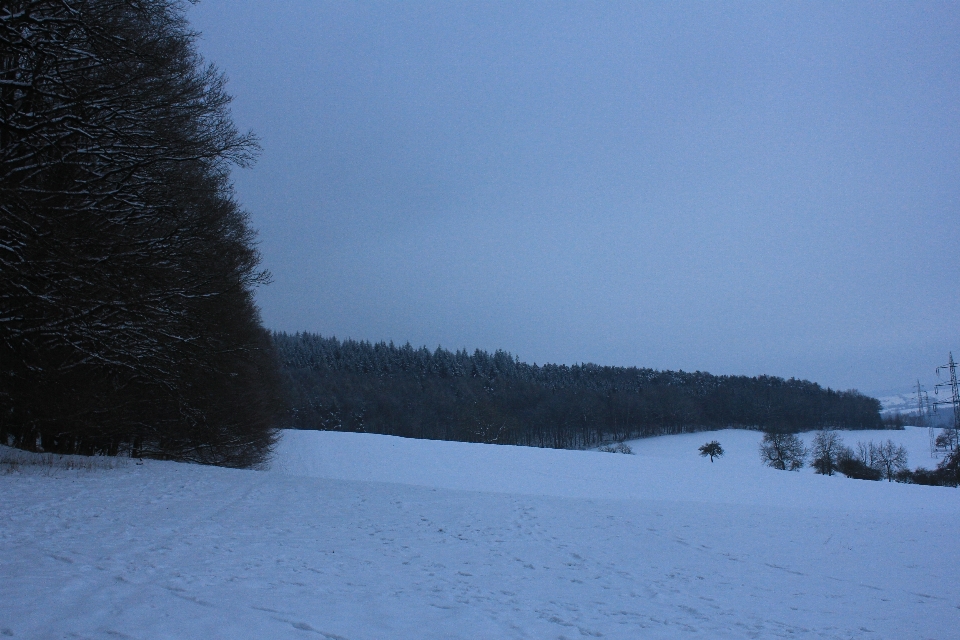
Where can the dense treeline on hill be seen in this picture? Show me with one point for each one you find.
(126, 266)
(483, 397)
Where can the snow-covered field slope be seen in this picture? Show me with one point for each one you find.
(362, 537)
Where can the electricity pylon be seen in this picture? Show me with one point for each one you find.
(954, 432)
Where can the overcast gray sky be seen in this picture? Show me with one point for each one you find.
(738, 188)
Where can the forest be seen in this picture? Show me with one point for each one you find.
(495, 398)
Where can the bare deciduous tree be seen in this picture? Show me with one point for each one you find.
(889, 458)
(826, 451)
(127, 267)
(784, 451)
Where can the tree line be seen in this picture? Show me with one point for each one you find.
(867, 461)
(482, 397)
(127, 267)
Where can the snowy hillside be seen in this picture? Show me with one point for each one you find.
(360, 537)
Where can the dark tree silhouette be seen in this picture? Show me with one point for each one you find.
(126, 275)
(712, 449)
(891, 459)
(826, 451)
(784, 451)
(857, 465)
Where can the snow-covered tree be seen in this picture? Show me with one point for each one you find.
(127, 267)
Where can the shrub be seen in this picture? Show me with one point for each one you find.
(853, 467)
(49, 464)
(947, 473)
(620, 447)
(905, 476)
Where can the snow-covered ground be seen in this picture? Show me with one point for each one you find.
(370, 537)
(903, 401)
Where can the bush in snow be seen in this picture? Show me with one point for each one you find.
(48, 464)
(853, 468)
(947, 473)
(874, 462)
(858, 464)
(620, 447)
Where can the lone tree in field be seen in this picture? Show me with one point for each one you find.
(784, 451)
(127, 268)
(712, 449)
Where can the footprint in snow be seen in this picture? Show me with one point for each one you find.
(303, 626)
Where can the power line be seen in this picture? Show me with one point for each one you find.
(953, 434)
(923, 412)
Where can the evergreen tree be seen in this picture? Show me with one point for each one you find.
(399, 390)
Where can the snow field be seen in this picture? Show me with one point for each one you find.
(359, 537)
(664, 468)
